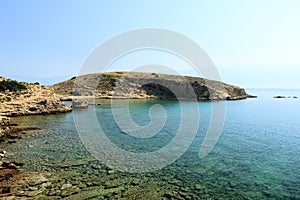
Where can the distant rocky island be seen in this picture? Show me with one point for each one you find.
(283, 97)
(138, 85)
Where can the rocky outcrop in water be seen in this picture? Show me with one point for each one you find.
(76, 103)
(139, 85)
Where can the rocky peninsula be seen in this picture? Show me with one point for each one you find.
(138, 85)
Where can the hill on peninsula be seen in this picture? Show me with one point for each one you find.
(140, 85)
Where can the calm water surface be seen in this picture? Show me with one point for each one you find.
(256, 157)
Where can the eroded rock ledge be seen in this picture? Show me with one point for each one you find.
(36, 99)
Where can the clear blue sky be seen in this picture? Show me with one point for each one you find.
(253, 43)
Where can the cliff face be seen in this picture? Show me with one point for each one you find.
(35, 99)
(148, 85)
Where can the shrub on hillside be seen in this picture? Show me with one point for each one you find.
(11, 85)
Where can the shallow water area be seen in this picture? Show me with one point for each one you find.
(256, 157)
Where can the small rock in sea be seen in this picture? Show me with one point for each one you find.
(89, 184)
(172, 195)
(52, 192)
(175, 182)
(233, 183)
(18, 164)
(82, 186)
(279, 97)
(9, 165)
(199, 187)
(108, 167)
(76, 103)
(2, 151)
(67, 190)
(67, 185)
(12, 136)
(135, 182)
(32, 188)
(295, 97)
(266, 193)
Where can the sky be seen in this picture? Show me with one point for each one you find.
(253, 43)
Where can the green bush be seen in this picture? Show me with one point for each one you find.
(11, 85)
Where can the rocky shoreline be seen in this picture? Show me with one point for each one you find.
(9, 173)
(32, 99)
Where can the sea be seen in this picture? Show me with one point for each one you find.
(255, 156)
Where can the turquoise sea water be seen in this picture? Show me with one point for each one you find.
(256, 157)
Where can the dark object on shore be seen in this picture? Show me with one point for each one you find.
(79, 104)
(279, 97)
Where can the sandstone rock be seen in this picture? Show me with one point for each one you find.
(36, 99)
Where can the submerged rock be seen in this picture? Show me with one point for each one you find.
(68, 189)
(2, 153)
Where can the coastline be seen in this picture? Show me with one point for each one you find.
(44, 100)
